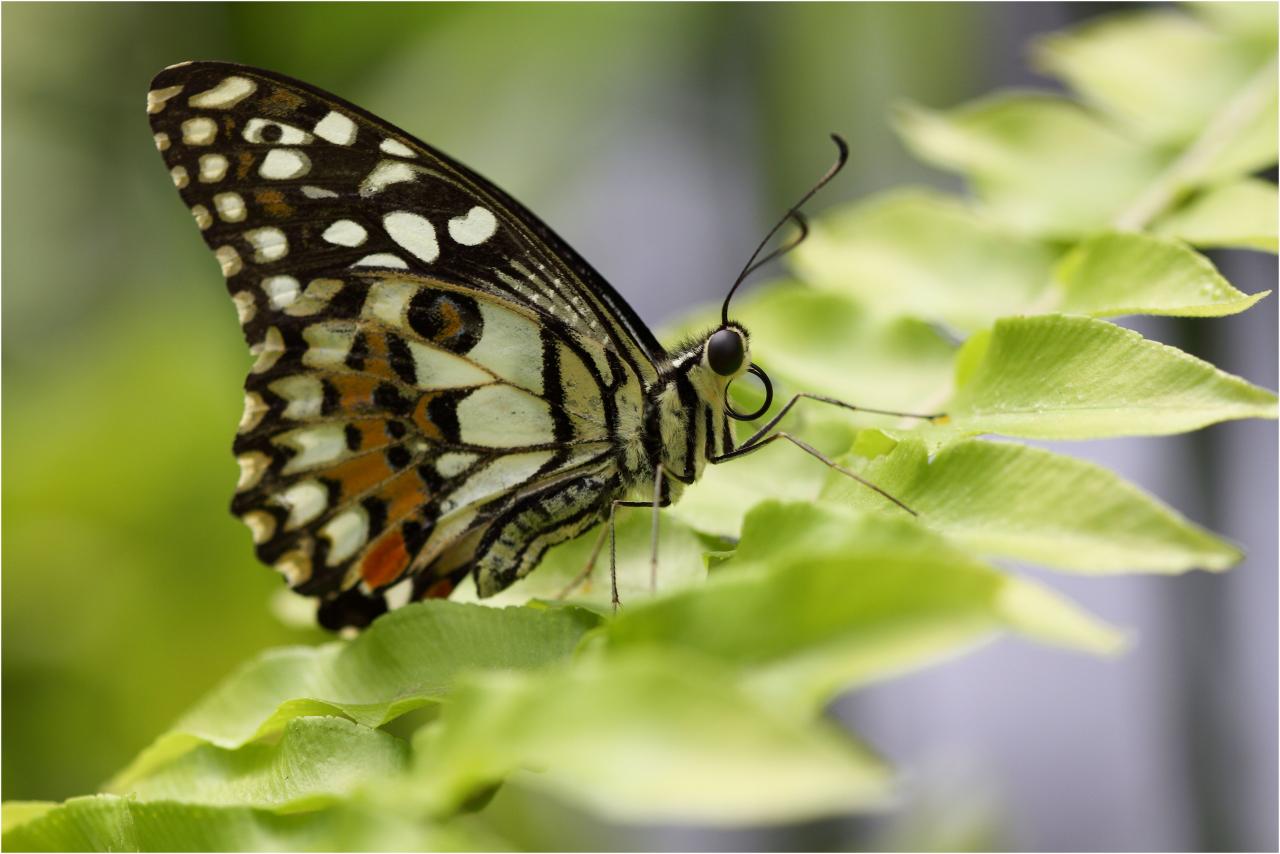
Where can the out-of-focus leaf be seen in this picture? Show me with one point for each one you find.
(823, 342)
(1242, 214)
(317, 761)
(1066, 377)
(17, 813)
(926, 255)
(1134, 273)
(642, 737)
(1163, 74)
(819, 598)
(405, 660)
(112, 823)
(1012, 500)
(1248, 22)
(1041, 164)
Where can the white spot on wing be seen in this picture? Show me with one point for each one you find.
(199, 131)
(281, 164)
(346, 533)
(230, 206)
(267, 350)
(454, 463)
(246, 308)
(398, 595)
(473, 229)
(396, 147)
(382, 259)
(303, 393)
(295, 567)
(304, 501)
(203, 218)
(345, 232)
(387, 301)
(387, 172)
(327, 344)
(281, 290)
(414, 233)
(226, 94)
(213, 167)
(261, 525)
(317, 192)
(252, 466)
(228, 260)
(314, 445)
(179, 176)
(162, 142)
(269, 244)
(336, 128)
(254, 408)
(157, 98)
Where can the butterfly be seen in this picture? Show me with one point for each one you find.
(442, 386)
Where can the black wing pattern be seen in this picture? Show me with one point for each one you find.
(442, 385)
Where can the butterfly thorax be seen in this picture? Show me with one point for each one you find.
(686, 422)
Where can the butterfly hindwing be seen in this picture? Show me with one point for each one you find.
(439, 383)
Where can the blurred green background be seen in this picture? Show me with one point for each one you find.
(658, 139)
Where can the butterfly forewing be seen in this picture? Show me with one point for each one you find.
(440, 382)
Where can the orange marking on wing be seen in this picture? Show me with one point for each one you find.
(404, 493)
(423, 419)
(452, 320)
(439, 590)
(377, 361)
(354, 390)
(246, 163)
(273, 202)
(385, 562)
(361, 473)
(373, 434)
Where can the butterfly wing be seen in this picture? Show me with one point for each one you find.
(441, 383)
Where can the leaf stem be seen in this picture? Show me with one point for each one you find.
(1222, 129)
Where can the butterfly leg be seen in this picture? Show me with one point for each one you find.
(586, 570)
(658, 502)
(813, 452)
(758, 438)
(653, 535)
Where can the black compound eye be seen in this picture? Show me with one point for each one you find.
(725, 352)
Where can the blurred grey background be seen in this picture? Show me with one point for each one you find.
(660, 140)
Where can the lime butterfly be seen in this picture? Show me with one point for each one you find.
(442, 386)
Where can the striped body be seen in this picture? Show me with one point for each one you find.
(442, 386)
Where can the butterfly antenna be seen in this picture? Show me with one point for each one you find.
(792, 215)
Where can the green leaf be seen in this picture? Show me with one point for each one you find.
(720, 499)
(1041, 164)
(405, 660)
(642, 737)
(819, 598)
(1163, 74)
(318, 761)
(926, 255)
(111, 823)
(1000, 498)
(810, 340)
(1241, 214)
(1064, 377)
(1114, 274)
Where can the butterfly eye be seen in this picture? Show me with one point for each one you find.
(725, 352)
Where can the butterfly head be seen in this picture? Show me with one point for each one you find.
(726, 356)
